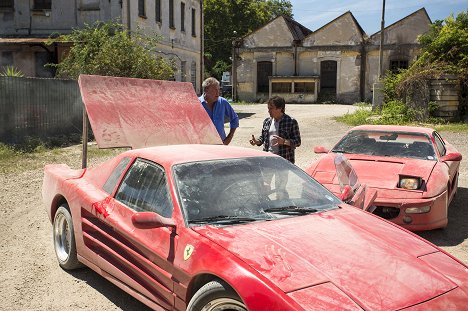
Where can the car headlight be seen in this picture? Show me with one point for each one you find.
(410, 183)
(417, 210)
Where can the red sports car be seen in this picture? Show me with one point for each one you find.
(413, 170)
(213, 227)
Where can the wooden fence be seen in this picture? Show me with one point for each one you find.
(45, 109)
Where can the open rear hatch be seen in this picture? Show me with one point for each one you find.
(137, 113)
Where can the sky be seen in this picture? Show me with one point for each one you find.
(314, 14)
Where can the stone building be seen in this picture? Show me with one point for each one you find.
(338, 61)
(26, 25)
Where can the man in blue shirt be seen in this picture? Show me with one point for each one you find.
(218, 108)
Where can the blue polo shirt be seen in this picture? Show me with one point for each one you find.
(221, 109)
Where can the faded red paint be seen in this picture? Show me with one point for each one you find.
(381, 175)
(136, 113)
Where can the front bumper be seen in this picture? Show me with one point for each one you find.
(395, 210)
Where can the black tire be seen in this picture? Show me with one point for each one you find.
(216, 295)
(64, 239)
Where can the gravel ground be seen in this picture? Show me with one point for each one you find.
(31, 278)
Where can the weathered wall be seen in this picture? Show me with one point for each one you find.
(342, 40)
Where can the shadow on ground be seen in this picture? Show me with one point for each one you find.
(457, 229)
(121, 299)
(243, 115)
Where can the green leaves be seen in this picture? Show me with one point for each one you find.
(11, 71)
(108, 49)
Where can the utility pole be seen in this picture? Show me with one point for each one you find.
(377, 93)
(382, 27)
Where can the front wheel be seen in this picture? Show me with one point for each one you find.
(64, 239)
(216, 295)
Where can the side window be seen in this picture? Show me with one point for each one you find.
(144, 189)
(440, 144)
(111, 182)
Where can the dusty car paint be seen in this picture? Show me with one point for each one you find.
(138, 113)
(336, 259)
(382, 173)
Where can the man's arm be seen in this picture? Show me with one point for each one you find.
(295, 140)
(229, 136)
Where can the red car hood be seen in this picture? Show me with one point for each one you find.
(374, 263)
(376, 172)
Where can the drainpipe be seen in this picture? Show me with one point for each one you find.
(295, 43)
(202, 47)
(128, 16)
(234, 71)
(362, 82)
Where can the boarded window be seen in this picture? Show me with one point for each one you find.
(171, 14)
(194, 33)
(264, 70)
(281, 87)
(396, 65)
(158, 10)
(182, 16)
(42, 4)
(304, 87)
(183, 71)
(141, 8)
(193, 74)
(89, 5)
(6, 4)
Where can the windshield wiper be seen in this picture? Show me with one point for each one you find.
(291, 209)
(223, 219)
(340, 151)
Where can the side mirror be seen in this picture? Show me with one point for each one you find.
(455, 156)
(320, 149)
(149, 220)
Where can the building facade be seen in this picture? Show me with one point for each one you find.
(338, 62)
(26, 25)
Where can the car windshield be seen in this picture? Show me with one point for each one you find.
(388, 144)
(235, 191)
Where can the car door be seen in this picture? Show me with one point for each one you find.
(140, 258)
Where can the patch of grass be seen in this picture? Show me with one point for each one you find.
(396, 113)
(360, 116)
(16, 161)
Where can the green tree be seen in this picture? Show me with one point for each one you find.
(225, 20)
(107, 49)
(447, 43)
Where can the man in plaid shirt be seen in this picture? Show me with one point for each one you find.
(280, 132)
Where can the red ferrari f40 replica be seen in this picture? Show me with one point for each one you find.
(203, 226)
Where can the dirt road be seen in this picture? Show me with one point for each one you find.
(31, 279)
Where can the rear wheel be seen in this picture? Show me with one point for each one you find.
(64, 239)
(216, 295)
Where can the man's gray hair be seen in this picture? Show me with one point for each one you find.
(209, 82)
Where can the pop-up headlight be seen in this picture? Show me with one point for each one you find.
(410, 182)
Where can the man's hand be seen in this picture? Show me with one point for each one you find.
(228, 138)
(254, 141)
(277, 140)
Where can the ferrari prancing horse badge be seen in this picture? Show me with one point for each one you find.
(188, 251)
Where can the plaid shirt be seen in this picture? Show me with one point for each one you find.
(287, 129)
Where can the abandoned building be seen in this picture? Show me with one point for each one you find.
(337, 62)
(26, 25)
